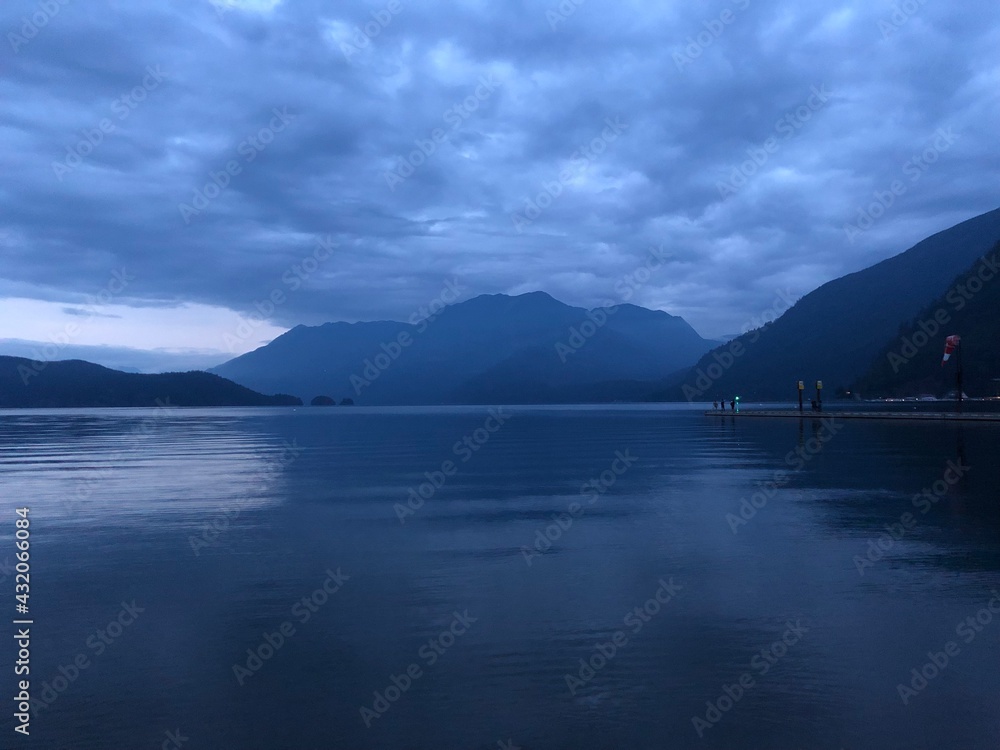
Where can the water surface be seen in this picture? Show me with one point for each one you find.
(217, 523)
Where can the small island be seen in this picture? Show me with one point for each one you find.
(329, 401)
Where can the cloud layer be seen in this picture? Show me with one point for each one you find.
(355, 157)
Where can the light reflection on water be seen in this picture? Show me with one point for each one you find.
(285, 495)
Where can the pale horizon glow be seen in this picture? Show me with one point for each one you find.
(188, 327)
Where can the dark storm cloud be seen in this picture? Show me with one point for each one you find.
(413, 147)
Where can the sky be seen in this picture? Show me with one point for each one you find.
(184, 180)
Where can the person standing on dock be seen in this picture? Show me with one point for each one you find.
(732, 404)
(715, 405)
(723, 405)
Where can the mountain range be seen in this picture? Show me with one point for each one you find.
(533, 349)
(877, 332)
(496, 348)
(836, 333)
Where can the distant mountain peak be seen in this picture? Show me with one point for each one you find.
(630, 309)
(493, 346)
(537, 297)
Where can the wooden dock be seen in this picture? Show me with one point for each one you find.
(915, 416)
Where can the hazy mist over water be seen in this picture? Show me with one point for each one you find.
(550, 527)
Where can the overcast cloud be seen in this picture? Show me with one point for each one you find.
(370, 152)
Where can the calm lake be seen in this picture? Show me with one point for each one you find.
(535, 578)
